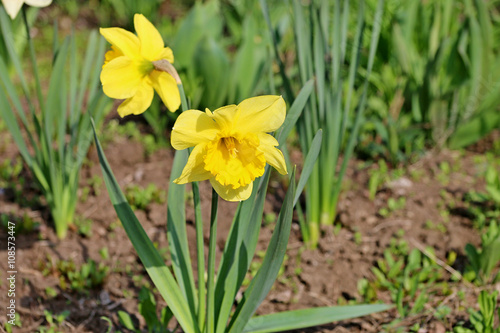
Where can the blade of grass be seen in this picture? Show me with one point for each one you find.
(151, 259)
(292, 320)
(311, 158)
(265, 277)
(239, 251)
(295, 111)
(176, 232)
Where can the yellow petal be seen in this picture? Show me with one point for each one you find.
(226, 117)
(12, 7)
(138, 103)
(167, 54)
(261, 114)
(112, 54)
(191, 128)
(230, 194)
(151, 42)
(273, 156)
(194, 170)
(124, 40)
(167, 89)
(37, 3)
(121, 78)
(235, 162)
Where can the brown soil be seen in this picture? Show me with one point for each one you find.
(321, 277)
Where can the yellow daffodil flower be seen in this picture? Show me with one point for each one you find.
(130, 69)
(231, 144)
(12, 7)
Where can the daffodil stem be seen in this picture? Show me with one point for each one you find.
(184, 103)
(200, 244)
(33, 62)
(211, 265)
(200, 247)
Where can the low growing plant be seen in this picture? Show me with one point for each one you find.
(148, 309)
(483, 320)
(484, 260)
(58, 131)
(230, 147)
(338, 101)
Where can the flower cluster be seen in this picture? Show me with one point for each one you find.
(231, 144)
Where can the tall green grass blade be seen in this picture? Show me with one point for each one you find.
(10, 120)
(54, 118)
(176, 232)
(292, 320)
(265, 277)
(475, 128)
(11, 50)
(295, 111)
(286, 82)
(361, 106)
(151, 259)
(9, 116)
(310, 161)
(239, 250)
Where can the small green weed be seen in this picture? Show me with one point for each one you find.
(54, 321)
(484, 319)
(114, 129)
(23, 225)
(378, 177)
(84, 226)
(484, 260)
(87, 276)
(139, 198)
(393, 205)
(94, 187)
(147, 309)
(409, 276)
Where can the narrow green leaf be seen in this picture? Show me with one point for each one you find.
(266, 275)
(239, 250)
(312, 156)
(176, 231)
(295, 111)
(151, 259)
(10, 120)
(291, 320)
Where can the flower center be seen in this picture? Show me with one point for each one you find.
(235, 161)
(230, 143)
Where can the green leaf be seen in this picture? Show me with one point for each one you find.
(291, 320)
(239, 250)
(265, 277)
(151, 259)
(295, 111)
(312, 156)
(211, 64)
(176, 231)
(126, 320)
(474, 129)
(201, 21)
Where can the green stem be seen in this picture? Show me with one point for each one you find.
(33, 62)
(200, 253)
(200, 245)
(184, 103)
(211, 266)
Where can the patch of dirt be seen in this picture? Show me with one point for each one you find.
(321, 277)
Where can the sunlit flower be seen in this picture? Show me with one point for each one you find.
(12, 7)
(231, 144)
(130, 68)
